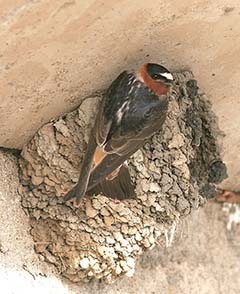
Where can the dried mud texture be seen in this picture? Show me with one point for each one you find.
(174, 172)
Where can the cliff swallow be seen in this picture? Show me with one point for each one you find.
(133, 108)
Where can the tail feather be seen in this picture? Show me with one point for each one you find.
(119, 187)
(108, 165)
(80, 189)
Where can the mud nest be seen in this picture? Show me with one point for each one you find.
(174, 173)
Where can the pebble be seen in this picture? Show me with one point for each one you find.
(113, 205)
(101, 250)
(176, 142)
(130, 249)
(124, 265)
(124, 228)
(132, 230)
(110, 240)
(118, 269)
(145, 232)
(92, 260)
(96, 268)
(73, 219)
(103, 199)
(49, 257)
(96, 204)
(157, 233)
(138, 237)
(36, 214)
(90, 211)
(110, 252)
(124, 242)
(34, 201)
(131, 262)
(118, 236)
(92, 223)
(49, 182)
(124, 211)
(108, 220)
(136, 247)
(118, 247)
(146, 243)
(105, 211)
(143, 197)
(73, 226)
(165, 179)
(151, 239)
(36, 180)
(42, 204)
(90, 273)
(145, 185)
(154, 187)
(158, 207)
(130, 273)
(61, 127)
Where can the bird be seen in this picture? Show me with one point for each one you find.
(133, 108)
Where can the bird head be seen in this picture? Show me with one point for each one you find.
(159, 73)
(156, 77)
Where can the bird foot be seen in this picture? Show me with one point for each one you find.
(76, 192)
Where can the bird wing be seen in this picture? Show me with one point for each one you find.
(80, 189)
(112, 101)
(109, 164)
(142, 115)
(99, 134)
(128, 114)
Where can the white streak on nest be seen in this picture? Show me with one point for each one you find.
(169, 234)
(233, 213)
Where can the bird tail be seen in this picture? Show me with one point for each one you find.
(119, 187)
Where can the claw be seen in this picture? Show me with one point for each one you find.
(80, 192)
(70, 195)
(76, 192)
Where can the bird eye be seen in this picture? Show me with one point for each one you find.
(155, 76)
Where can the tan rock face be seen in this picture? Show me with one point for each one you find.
(55, 52)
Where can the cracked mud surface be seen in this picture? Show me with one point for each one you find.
(174, 172)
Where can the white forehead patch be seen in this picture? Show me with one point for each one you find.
(167, 75)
